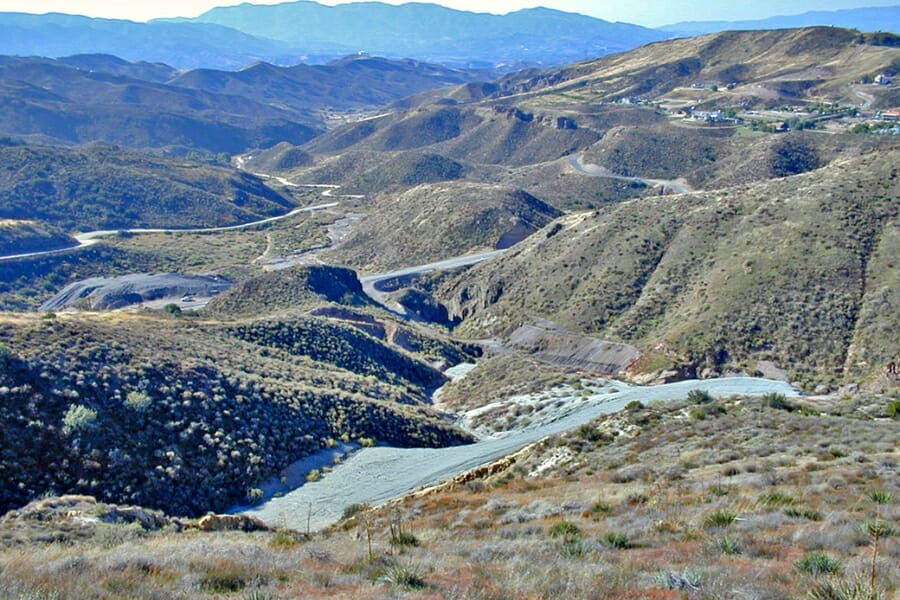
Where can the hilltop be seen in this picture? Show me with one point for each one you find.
(434, 221)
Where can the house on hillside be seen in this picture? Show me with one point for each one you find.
(892, 115)
(709, 116)
(883, 79)
(781, 127)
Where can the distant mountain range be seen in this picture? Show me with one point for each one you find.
(309, 32)
(99, 98)
(435, 33)
(882, 18)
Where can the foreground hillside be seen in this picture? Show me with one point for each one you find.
(797, 270)
(710, 498)
(194, 420)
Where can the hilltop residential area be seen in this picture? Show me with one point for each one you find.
(409, 301)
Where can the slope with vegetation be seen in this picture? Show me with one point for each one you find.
(765, 68)
(790, 270)
(111, 188)
(192, 421)
(19, 237)
(435, 221)
(707, 498)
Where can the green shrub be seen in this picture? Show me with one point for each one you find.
(137, 400)
(355, 509)
(728, 545)
(78, 418)
(804, 512)
(776, 499)
(619, 541)
(699, 397)
(778, 402)
(881, 497)
(224, 579)
(287, 539)
(837, 589)
(818, 562)
(405, 576)
(403, 539)
(597, 509)
(565, 529)
(893, 409)
(720, 518)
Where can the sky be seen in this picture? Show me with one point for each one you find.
(643, 12)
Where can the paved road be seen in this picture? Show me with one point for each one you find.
(369, 282)
(678, 186)
(90, 238)
(377, 475)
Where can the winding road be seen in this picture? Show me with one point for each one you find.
(89, 238)
(677, 186)
(370, 282)
(378, 475)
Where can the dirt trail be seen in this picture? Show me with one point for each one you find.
(677, 186)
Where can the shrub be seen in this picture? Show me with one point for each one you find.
(776, 499)
(139, 401)
(893, 409)
(286, 539)
(404, 539)
(720, 518)
(881, 497)
(565, 529)
(728, 545)
(818, 562)
(597, 509)
(837, 589)
(406, 576)
(699, 397)
(314, 475)
(224, 579)
(778, 402)
(619, 541)
(355, 509)
(79, 418)
(804, 512)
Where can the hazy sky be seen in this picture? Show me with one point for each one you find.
(643, 12)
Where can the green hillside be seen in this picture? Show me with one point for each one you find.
(790, 270)
(436, 221)
(190, 422)
(111, 188)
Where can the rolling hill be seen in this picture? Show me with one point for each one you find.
(110, 188)
(98, 98)
(796, 270)
(187, 422)
(431, 222)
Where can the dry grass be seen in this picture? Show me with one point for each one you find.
(581, 531)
